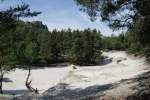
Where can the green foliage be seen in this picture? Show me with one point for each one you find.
(8, 22)
(115, 42)
(35, 44)
(6, 53)
(27, 41)
(138, 37)
(86, 46)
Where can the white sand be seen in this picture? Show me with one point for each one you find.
(41, 78)
(110, 73)
(81, 77)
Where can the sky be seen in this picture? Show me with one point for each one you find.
(61, 14)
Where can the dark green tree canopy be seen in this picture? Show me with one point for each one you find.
(11, 15)
(119, 13)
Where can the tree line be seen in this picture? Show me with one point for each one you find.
(36, 45)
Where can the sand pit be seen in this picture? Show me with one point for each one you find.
(81, 77)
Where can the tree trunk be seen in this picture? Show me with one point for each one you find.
(28, 83)
(1, 81)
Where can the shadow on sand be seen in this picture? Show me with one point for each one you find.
(105, 61)
(7, 80)
(62, 91)
(143, 87)
(16, 92)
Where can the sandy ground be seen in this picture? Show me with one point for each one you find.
(82, 77)
(41, 78)
(108, 73)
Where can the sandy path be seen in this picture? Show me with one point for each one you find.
(81, 77)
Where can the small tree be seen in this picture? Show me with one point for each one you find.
(31, 55)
